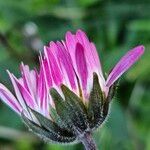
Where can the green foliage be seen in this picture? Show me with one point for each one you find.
(115, 26)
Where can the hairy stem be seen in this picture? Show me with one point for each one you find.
(88, 142)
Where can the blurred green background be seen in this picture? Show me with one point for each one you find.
(115, 26)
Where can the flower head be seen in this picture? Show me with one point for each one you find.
(69, 96)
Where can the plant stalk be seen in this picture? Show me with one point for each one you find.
(88, 142)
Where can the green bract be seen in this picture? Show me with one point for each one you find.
(71, 118)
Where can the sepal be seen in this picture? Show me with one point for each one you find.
(112, 91)
(46, 135)
(56, 118)
(96, 104)
(51, 125)
(61, 108)
(71, 110)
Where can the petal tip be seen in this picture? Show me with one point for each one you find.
(140, 49)
(125, 63)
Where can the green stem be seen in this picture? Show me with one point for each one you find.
(88, 142)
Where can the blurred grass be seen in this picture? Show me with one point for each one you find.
(115, 26)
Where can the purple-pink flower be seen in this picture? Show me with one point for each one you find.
(71, 63)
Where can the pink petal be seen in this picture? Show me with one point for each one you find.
(43, 99)
(29, 100)
(54, 66)
(90, 57)
(33, 79)
(66, 64)
(44, 67)
(17, 91)
(70, 41)
(40, 93)
(98, 69)
(9, 99)
(45, 78)
(27, 80)
(81, 65)
(71, 46)
(41, 90)
(124, 64)
(95, 55)
(89, 53)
